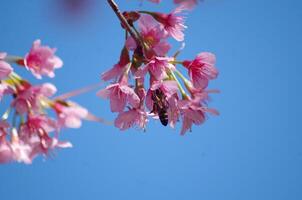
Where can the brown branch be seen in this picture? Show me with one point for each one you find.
(124, 21)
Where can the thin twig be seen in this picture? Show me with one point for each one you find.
(124, 21)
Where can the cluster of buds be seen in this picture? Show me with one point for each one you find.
(31, 123)
(146, 80)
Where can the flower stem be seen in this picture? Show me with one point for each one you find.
(182, 91)
(123, 20)
(187, 83)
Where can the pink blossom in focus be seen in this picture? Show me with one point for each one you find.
(41, 60)
(119, 68)
(202, 69)
(5, 68)
(120, 94)
(130, 118)
(193, 112)
(172, 23)
(158, 67)
(153, 35)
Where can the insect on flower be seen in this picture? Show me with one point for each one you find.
(160, 106)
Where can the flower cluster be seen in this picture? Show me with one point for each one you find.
(31, 124)
(146, 80)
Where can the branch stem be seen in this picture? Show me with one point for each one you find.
(124, 21)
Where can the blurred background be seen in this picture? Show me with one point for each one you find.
(252, 151)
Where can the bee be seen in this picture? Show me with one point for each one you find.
(160, 106)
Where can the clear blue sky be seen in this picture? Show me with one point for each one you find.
(252, 151)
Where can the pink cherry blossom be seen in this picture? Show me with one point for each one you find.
(70, 115)
(31, 97)
(189, 4)
(36, 134)
(172, 23)
(173, 110)
(6, 153)
(202, 69)
(3, 89)
(194, 111)
(130, 118)
(158, 67)
(153, 35)
(41, 60)
(120, 94)
(21, 151)
(5, 68)
(119, 68)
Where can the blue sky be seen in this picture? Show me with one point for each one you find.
(252, 151)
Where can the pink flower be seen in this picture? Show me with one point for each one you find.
(6, 153)
(36, 134)
(119, 68)
(21, 151)
(189, 4)
(3, 90)
(120, 94)
(31, 97)
(172, 23)
(173, 110)
(130, 118)
(193, 112)
(152, 34)
(158, 67)
(41, 60)
(202, 69)
(70, 115)
(5, 68)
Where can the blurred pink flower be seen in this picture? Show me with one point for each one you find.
(70, 115)
(21, 151)
(35, 133)
(31, 97)
(189, 4)
(3, 89)
(41, 60)
(202, 69)
(6, 154)
(5, 68)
